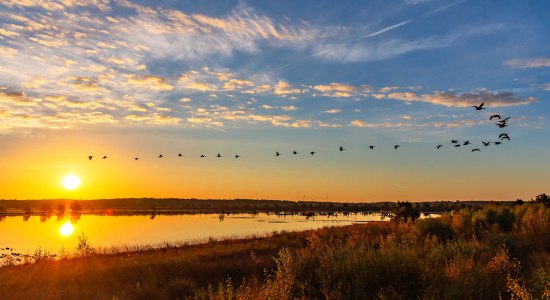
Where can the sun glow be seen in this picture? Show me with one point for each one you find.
(71, 182)
(66, 229)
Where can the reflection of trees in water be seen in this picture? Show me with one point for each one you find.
(45, 217)
(153, 212)
(75, 217)
(26, 217)
(221, 217)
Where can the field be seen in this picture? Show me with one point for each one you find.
(498, 251)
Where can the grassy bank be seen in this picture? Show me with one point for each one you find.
(498, 251)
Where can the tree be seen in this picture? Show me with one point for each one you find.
(75, 207)
(405, 211)
(544, 199)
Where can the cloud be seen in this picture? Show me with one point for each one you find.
(289, 108)
(415, 2)
(332, 111)
(453, 99)
(381, 49)
(154, 119)
(156, 83)
(547, 88)
(528, 63)
(284, 88)
(441, 124)
(405, 96)
(329, 125)
(336, 89)
(491, 99)
(17, 98)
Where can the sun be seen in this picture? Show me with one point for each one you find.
(71, 182)
(66, 229)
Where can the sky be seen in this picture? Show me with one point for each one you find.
(126, 79)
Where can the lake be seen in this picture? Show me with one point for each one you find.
(26, 234)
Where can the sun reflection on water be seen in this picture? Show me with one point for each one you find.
(66, 229)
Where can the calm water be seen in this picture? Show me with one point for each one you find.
(105, 231)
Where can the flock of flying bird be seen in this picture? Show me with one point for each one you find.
(501, 123)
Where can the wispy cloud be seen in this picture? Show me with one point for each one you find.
(453, 99)
(528, 63)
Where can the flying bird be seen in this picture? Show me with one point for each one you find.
(486, 143)
(104, 157)
(136, 158)
(502, 125)
(498, 143)
(466, 143)
(454, 141)
(371, 147)
(396, 146)
(219, 155)
(203, 156)
(476, 149)
(494, 116)
(90, 157)
(277, 154)
(504, 136)
(479, 107)
(237, 156)
(439, 146)
(160, 156)
(180, 155)
(457, 145)
(505, 119)
(294, 152)
(341, 148)
(312, 152)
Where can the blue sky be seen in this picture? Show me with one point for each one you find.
(268, 75)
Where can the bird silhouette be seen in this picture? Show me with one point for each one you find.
(312, 152)
(136, 158)
(104, 157)
(494, 116)
(454, 141)
(341, 148)
(486, 143)
(504, 136)
(476, 149)
(457, 145)
(90, 157)
(396, 146)
(505, 119)
(203, 156)
(277, 154)
(180, 155)
(497, 143)
(502, 125)
(371, 147)
(160, 156)
(219, 155)
(466, 143)
(479, 107)
(439, 146)
(294, 152)
(237, 156)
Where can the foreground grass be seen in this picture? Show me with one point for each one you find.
(496, 252)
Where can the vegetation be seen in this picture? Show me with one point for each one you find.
(154, 206)
(490, 252)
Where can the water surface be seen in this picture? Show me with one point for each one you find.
(27, 234)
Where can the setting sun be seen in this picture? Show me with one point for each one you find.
(66, 229)
(71, 182)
